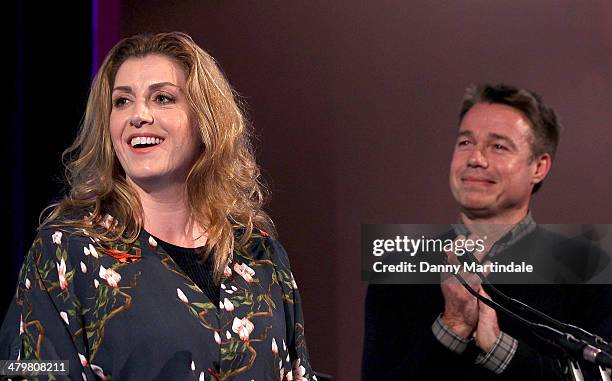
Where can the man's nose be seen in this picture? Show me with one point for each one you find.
(477, 158)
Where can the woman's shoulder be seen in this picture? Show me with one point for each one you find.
(71, 231)
(265, 246)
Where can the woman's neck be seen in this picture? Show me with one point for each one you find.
(168, 216)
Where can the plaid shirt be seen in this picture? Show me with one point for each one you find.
(502, 352)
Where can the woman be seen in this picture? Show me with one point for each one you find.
(157, 264)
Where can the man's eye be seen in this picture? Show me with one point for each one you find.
(119, 102)
(463, 143)
(499, 146)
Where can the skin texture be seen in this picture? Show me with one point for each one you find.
(492, 174)
(149, 98)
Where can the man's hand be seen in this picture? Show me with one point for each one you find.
(487, 330)
(460, 307)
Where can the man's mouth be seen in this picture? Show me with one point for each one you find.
(477, 180)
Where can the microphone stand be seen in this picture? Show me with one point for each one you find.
(557, 337)
(593, 342)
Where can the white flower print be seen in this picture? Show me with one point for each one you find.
(201, 378)
(64, 316)
(93, 251)
(228, 335)
(21, 329)
(83, 360)
(57, 238)
(152, 241)
(110, 275)
(107, 222)
(274, 347)
(96, 283)
(217, 338)
(27, 284)
(244, 271)
(83, 267)
(98, 371)
(229, 306)
(192, 366)
(181, 296)
(298, 371)
(61, 273)
(227, 271)
(243, 327)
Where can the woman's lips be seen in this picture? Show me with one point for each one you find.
(142, 150)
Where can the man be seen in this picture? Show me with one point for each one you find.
(506, 143)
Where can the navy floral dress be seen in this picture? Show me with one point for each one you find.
(128, 312)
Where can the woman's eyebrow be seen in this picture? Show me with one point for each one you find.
(153, 87)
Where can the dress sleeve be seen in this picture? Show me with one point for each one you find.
(44, 321)
(296, 342)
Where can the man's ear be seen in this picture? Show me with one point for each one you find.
(542, 167)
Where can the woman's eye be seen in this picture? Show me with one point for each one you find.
(119, 102)
(164, 99)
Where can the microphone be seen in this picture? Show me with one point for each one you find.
(578, 348)
(592, 339)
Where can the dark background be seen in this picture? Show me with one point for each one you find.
(355, 106)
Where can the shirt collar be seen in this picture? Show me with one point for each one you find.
(520, 230)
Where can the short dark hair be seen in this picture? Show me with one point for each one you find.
(543, 119)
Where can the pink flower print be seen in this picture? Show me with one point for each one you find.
(298, 371)
(227, 271)
(98, 371)
(57, 238)
(110, 275)
(244, 271)
(83, 360)
(21, 329)
(61, 273)
(274, 347)
(243, 327)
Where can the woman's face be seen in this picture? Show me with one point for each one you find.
(151, 125)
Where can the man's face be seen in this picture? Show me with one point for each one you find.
(492, 170)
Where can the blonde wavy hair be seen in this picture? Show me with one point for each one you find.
(223, 188)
